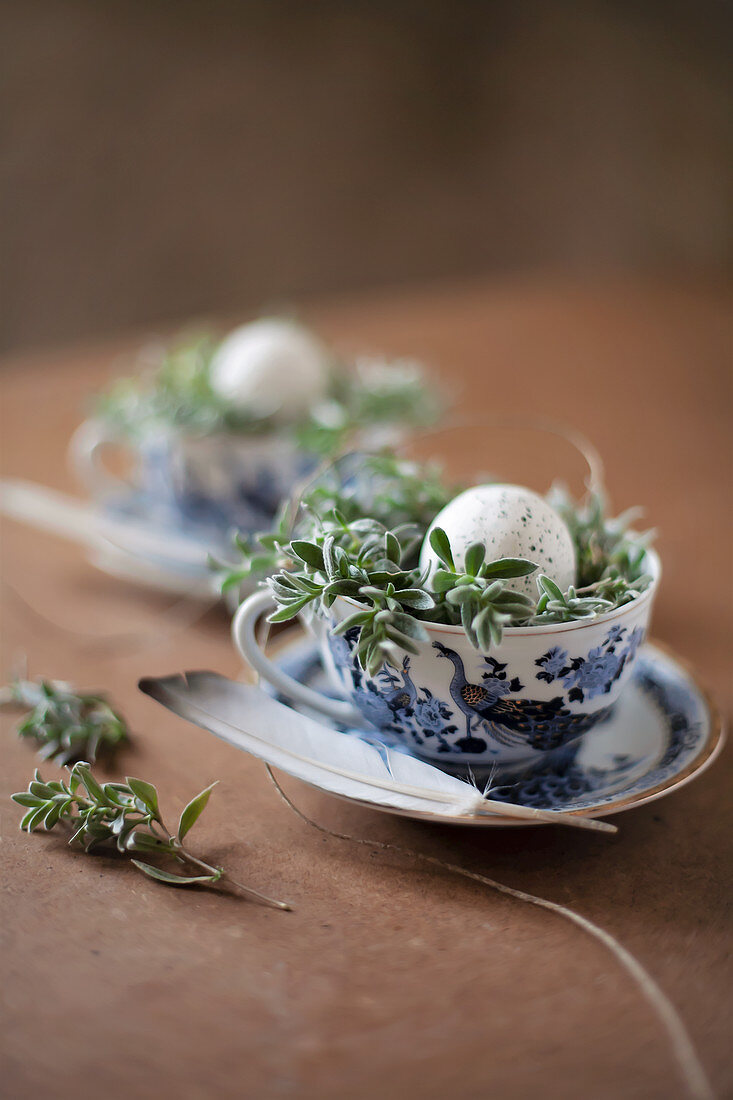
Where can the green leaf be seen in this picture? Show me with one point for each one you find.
(443, 581)
(173, 880)
(342, 588)
(482, 626)
(464, 595)
(146, 792)
(281, 586)
(307, 584)
(40, 790)
(402, 640)
(371, 592)
(440, 543)
(328, 558)
(34, 817)
(391, 652)
(141, 841)
(374, 658)
(309, 553)
(194, 810)
(392, 547)
(408, 625)
(94, 789)
(25, 799)
(474, 558)
(467, 616)
(26, 820)
(284, 614)
(506, 568)
(52, 815)
(415, 597)
(359, 618)
(551, 588)
(387, 573)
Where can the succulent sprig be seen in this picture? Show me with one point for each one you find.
(364, 563)
(479, 597)
(556, 606)
(391, 490)
(125, 816)
(605, 546)
(66, 725)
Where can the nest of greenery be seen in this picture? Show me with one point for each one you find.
(358, 533)
(172, 389)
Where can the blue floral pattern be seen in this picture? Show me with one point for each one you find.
(431, 714)
(554, 664)
(593, 675)
(569, 786)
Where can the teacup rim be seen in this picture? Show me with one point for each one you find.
(652, 559)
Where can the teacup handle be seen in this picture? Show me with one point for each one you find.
(243, 633)
(86, 449)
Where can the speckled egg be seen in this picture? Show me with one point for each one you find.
(271, 366)
(512, 522)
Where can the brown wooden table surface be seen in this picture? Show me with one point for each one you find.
(388, 979)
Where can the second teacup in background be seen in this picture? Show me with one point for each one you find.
(217, 433)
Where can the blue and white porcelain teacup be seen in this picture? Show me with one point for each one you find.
(205, 486)
(543, 689)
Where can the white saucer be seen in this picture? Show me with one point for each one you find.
(170, 558)
(161, 574)
(662, 733)
(121, 537)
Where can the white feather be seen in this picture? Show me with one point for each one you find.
(63, 515)
(343, 764)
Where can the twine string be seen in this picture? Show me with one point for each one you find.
(683, 1049)
(682, 1046)
(595, 480)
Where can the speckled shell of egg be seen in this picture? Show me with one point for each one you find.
(271, 367)
(512, 522)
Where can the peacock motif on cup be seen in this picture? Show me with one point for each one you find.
(479, 715)
(541, 724)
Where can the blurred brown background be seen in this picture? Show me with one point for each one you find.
(165, 159)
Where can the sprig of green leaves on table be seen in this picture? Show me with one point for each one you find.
(66, 725)
(125, 816)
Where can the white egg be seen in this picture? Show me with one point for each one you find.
(512, 522)
(271, 366)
